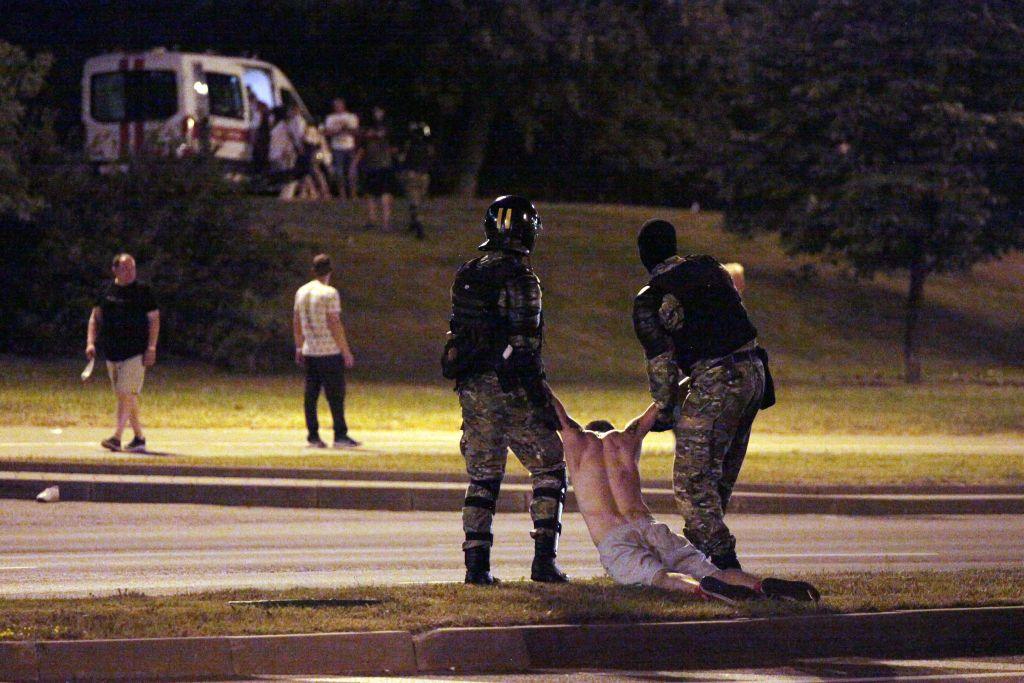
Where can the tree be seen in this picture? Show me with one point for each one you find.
(887, 134)
(557, 72)
(21, 79)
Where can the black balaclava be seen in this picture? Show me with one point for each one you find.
(657, 242)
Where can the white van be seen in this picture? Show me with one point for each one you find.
(177, 101)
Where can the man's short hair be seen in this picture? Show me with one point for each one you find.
(599, 426)
(321, 265)
(123, 256)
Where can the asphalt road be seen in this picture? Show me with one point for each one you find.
(847, 669)
(73, 549)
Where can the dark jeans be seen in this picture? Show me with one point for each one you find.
(327, 372)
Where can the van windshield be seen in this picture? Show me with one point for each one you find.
(133, 96)
(225, 95)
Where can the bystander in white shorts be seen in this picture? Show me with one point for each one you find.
(627, 558)
(675, 552)
(126, 375)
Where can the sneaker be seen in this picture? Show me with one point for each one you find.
(793, 591)
(316, 444)
(136, 445)
(345, 442)
(726, 592)
(111, 444)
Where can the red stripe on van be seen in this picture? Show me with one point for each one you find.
(140, 127)
(224, 134)
(123, 139)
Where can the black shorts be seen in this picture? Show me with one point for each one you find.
(379, 181)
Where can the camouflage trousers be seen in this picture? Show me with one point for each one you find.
(712, 433)
(493, 421)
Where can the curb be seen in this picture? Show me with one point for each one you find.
(958, 632)
(460, 478)
(443, 496)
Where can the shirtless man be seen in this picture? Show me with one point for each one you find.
(634, 547)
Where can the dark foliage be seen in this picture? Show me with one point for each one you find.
(887, 134)
(216, 277)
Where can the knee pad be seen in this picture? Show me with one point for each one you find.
(492, 486)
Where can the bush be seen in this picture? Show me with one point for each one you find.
(216, 275)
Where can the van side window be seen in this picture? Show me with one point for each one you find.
(225, 95)
(133, 96)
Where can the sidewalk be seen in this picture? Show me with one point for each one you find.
(83, 442)
(34, 458)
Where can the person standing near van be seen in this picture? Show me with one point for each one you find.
(322, 348)
(126, 323)
(376, 160)
(341, 127)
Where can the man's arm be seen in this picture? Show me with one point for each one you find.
(153, 318)
(523, 299)
(569, 425)
(90, 335)
(338, 332)
(300, 338)
(642, 424)
(662, 370)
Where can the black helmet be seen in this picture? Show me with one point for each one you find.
(511, 224)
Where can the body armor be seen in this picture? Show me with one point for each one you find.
(692, 307)
(496, 322)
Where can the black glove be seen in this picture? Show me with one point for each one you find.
(547, 416)
(665, 421)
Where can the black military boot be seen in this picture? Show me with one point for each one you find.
(478, 566)
(727, 560)
(544, 568)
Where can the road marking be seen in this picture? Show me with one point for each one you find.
(9, 569)
(765, 556)
(954, 664)
(948, 676)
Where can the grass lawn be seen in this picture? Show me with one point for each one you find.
(817, 321)
(423, 607)
(49, 393)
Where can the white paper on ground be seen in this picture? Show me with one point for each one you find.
(49, 495)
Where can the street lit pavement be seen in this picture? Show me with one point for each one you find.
(83, 443)
(74, 549)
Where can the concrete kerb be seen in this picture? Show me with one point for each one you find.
(987, 631)
(460, 478)
(439, 496)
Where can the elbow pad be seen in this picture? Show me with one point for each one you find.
(523, 303)
(647, 323)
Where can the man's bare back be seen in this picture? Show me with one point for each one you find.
(634, 547)
(605, 472)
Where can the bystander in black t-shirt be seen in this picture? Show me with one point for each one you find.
(124, 326)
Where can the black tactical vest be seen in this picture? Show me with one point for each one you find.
(479, 330)
(715, 321)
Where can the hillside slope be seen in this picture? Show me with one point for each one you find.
(818, 322)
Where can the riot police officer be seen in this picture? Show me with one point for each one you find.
(493, 352)
(690, 320)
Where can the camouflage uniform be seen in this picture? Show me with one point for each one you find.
(712, 433)
(492, 421)
(712, 422)
(504, 403)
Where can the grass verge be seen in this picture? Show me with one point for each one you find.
(423, 607)
(49, 393)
